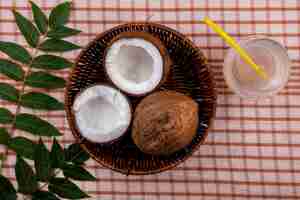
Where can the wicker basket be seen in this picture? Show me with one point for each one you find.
(189, 74)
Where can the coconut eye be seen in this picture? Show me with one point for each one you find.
(102, 113)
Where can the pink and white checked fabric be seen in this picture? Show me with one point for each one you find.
(253, 150)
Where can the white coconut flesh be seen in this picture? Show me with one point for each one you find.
(134, 65)
(102, 113)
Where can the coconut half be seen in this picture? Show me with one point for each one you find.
(136, 62)
(102, 113)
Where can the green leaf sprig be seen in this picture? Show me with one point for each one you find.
(35, 70)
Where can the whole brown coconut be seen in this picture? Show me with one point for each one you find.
(165, 122)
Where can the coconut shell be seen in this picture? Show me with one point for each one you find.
(165, 122)
(157, 43)
(125, 97)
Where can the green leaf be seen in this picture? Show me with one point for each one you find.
(66, 189)
(44, 80)
(22, 146)
(57, 155)
(51, 62)
(6, 185)
(27, 182)
(37, 100)
(42, 162)
(57, 45)
(15, 52)
(8, 92)
(77, 173)
(8, 196)
(40, 18)
(35, 125)
(7, 190)
(6, 116)
(28, 30)
(74, 153)
(2, 157)
(11, 70)
(4, 136)
(43, 195)
(60, 14)
(62, 32)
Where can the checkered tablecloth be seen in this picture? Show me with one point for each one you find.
(253, 150)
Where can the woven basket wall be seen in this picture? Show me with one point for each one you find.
(189, 74)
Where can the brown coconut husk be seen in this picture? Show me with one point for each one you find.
(165, 122)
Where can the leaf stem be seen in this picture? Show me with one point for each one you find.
(29, 66)
(2, 158)
(56, 172)
(33, 54)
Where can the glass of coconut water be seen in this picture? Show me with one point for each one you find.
(268, 54)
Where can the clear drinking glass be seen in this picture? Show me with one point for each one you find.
(267, 53)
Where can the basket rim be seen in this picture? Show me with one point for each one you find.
(129, 171)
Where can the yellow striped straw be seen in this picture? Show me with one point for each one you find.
(231, 42)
